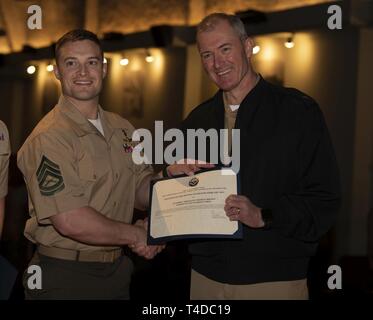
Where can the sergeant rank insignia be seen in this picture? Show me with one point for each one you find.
(49, 177)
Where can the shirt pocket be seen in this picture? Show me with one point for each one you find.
(93, 168)
(86, 170)
(127, 163)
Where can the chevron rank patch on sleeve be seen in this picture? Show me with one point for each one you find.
(49, 177)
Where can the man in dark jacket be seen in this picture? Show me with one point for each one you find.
(288, 175)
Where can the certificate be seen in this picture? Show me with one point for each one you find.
(192, 207)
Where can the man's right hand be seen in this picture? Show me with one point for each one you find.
(140, 247)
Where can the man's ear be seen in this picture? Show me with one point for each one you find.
(249, 45)
(56, 72)
(104, 70)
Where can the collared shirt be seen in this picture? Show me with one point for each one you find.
(97, 124)
(68, 164)
(4, 159)
(229, 123)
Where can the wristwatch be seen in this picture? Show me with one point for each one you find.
(267, 217)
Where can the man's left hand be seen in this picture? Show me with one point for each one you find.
(240, 208)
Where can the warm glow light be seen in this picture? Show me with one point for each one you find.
(105, 61)
(268, 53)
(304, 56)
(256, 49)
(31, 70)
(49, 68)
(289, 43)
(124, 62)
(149, 59)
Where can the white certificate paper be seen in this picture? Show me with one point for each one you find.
(192, 207)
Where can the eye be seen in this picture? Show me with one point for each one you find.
(226, 49)
(70, 63)
(206, 55)
(93, 62)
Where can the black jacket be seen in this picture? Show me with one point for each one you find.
(288, 165)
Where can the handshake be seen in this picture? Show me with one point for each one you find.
(140, 247)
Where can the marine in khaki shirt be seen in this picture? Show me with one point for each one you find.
(83, 185)
(67, 163)
(4, 165)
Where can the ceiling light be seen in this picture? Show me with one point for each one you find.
(49, 67)
(149, 58)
(256, 49)
(124, 62)
(289, 43)
(31, 69)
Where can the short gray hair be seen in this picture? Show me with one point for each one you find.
(209, 22)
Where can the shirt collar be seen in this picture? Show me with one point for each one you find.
(253, 96)
(80, 123)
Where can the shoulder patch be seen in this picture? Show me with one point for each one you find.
(49, 177)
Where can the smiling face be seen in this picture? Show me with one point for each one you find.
(225, 57)
(80, 70)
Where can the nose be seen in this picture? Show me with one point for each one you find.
(82, 70)
(218, 61)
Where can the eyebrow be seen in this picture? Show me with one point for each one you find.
(225, 44)
(221, 46)
(74, 58)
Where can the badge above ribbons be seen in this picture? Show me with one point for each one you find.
(49, 177)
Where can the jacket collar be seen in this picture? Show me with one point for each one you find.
(248, 106)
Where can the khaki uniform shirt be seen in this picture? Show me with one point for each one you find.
(229, 123)
(68, 164)
(4, 159)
